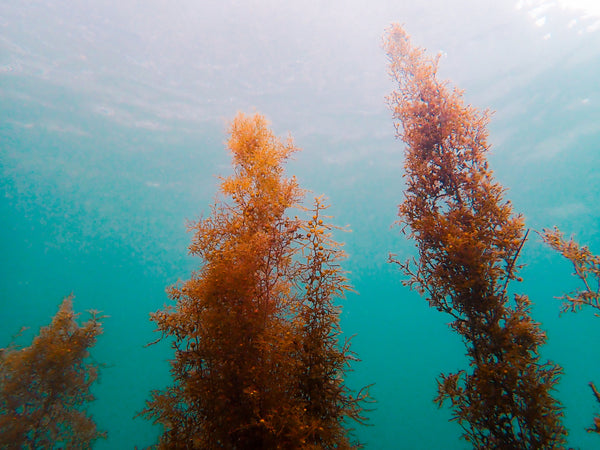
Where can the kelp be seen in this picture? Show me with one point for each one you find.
(468, 241)
(323, 360)
(586, 267)
(45, 388)
(254, 329)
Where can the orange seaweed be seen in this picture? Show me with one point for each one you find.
(586, 267)
(45, 387)
(468, 240)
(322, 360)
(244, 338)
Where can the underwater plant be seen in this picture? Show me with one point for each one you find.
(586, 266)
(246, 326)
(587, 269)
(322, 361)
(468, 240)
(44, 387)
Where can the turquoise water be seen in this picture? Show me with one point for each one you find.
(112, 130)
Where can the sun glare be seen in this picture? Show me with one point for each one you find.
(586, 10)
(591, 7)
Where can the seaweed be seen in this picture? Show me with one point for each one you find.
(243, 327)
(322, 360)
(45, 387)
(468, 240)
(586, 267)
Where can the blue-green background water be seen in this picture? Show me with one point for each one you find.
(112, 128)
